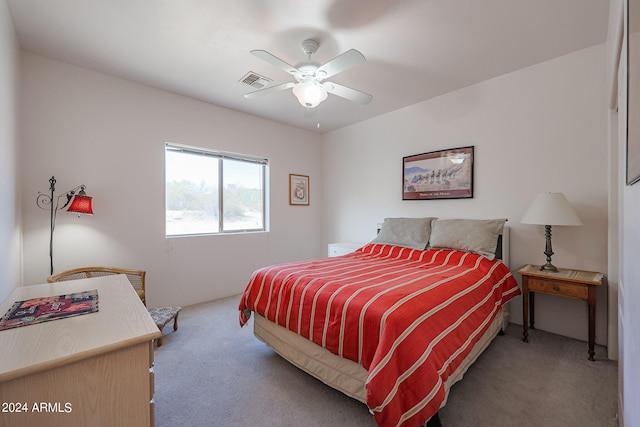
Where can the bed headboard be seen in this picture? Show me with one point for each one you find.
(503, 246)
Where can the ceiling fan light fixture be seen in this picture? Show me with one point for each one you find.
(310, 93)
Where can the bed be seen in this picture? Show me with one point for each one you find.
(395, 323)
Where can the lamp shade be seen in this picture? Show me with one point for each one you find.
(550, 209)
(310, 93)
(81, 204)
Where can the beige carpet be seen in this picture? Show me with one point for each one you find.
(211, 372)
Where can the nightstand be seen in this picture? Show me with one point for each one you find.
(577, 284)
(337, 249)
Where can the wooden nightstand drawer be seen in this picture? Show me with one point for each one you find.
(570, 290)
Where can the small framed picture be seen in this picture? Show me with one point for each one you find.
(444, 174)
(298, 190)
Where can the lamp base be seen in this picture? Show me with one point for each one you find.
(548, 251)
(549, 267)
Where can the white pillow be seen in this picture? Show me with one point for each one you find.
(471, 235)
(408, 232)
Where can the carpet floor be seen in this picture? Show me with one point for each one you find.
(211, 372)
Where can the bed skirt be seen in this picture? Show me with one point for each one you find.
(342, 374)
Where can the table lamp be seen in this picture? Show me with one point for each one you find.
(550, 209)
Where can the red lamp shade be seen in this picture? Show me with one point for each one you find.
(81, 204)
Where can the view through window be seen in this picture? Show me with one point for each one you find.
(211, 192)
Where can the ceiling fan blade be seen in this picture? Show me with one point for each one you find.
(268, 90)
(348, 93)
(340, 63)
(274, 60)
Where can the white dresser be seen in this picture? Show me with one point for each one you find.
(89, 370)
(337, 249)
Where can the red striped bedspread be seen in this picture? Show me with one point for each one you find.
(409, 317)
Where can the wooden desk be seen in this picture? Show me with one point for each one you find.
(89, 370)
(575, 284)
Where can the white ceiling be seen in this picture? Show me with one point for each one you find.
(415, 49)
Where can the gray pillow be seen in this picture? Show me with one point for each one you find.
(408, 232)
(471, 235)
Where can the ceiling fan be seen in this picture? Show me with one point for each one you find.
(310, 87)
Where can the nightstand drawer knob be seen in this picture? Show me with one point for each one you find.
(556, 288)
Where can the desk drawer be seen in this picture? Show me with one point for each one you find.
(552, 287)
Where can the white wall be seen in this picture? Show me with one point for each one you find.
(10, 229)
(88, 128)
(543, 128)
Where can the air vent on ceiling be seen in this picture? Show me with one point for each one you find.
(255, 80)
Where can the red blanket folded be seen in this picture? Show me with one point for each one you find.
(409, 317)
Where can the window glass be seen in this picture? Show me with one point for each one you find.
(242, 195)
(213, 192)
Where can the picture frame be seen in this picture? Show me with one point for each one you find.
(633, 93)
(443, 174)
(298, 190)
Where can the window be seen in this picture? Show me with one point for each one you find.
(210, 192)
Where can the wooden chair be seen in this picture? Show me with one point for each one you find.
(136, 277)
(161, 315)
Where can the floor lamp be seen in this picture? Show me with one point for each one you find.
(78, 202)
